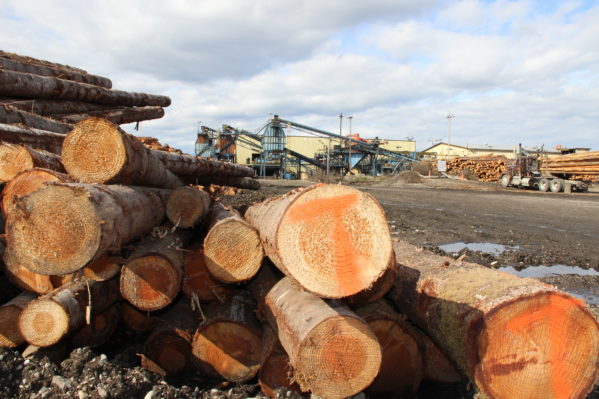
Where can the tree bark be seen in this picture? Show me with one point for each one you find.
(34, 138)
(10, 336)
(54, 107)
(13, 115)
(116, 116)
(34, 61)
(438, 367)
(333, 352)
(48, 319)
(187, 206)
(99, 331)
(275, 372)
(152, 276)
(402, 366)
(167, 351)
(98, 151)
(188, 167)
(333, 239)
(15, 159)
(247, 183)
(27, 182)
(24, 85)
(198, 282)
(60, 228)
(45, 70)
(232, 249)
(228, 341)
(514, 337)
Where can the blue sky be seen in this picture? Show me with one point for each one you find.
(510, 71)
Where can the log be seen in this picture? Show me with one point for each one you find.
(513, 337)
(333, 239)
(402, 365)
(232, 249)
(136, 320)
(45, 70)
(380, 287)
(99, 331)
(34, 61)
(55, 353)
(197, 281)
(167, 351)
(333, 352)
(117, 116)
(438, 367)
(187, 206)
(34, 138)
(228, 341)
(188, 167)
(13, 115)
(103, 268)
(27, 182)
(24, 85)
(152, 276)
(54, 107)
(275, 373)
(15, 159)
(60, 228)
(98, 151)
(25, 279)
(247, 183)
(49, 318)
(10, 336)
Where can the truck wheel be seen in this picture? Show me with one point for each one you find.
(543, 185)
(504, 181)
(556, 185)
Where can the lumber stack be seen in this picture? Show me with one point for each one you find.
(583, 166)
(486, 169)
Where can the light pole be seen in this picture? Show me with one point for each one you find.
(349, 143)
(449, 116)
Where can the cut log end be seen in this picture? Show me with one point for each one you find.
(240, 258)
(276, 373)
(168, 351)
(342, 356)
(94, 151)
(58, 237)
(43, 323)
(102, 269)
(27, 182)
(197, 279)
(14, 159)
(334, 240)
(230, 349)
(150, 282)
(186, 206)
(547, 340)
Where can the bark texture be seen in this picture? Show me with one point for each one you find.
(60, 228)
(187, 206)
(333, 239)
(514, 337)
(49, 318)
(116, 116)
(98, 151)
(232, 249)
(34, 138)
(152, 276)
(54, 107)
(189, 167)
(13, 115)
(10, 336)
(24, 85)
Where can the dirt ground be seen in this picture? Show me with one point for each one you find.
(536, 228)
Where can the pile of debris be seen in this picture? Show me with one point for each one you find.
(486, 169)
(583, 166)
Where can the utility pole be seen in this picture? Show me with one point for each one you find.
(349, 142)
(449, 116)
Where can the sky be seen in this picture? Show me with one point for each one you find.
(509, 71)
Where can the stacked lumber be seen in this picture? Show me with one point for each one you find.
(154, 144)
(583, 166)
(486, 169)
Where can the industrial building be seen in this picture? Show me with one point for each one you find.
(443, 150)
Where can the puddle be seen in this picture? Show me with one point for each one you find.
(542, 271)
(488, 247)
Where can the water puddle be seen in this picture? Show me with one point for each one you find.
(542, 271)
(487, 247)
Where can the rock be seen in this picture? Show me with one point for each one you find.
(82, 395)
(61, 382)
(101, 391)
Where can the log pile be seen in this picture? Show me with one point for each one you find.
(583, 166)
(486, 169)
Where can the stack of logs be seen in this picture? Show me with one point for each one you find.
(486, 169)
(306, 291)
(583, 166)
